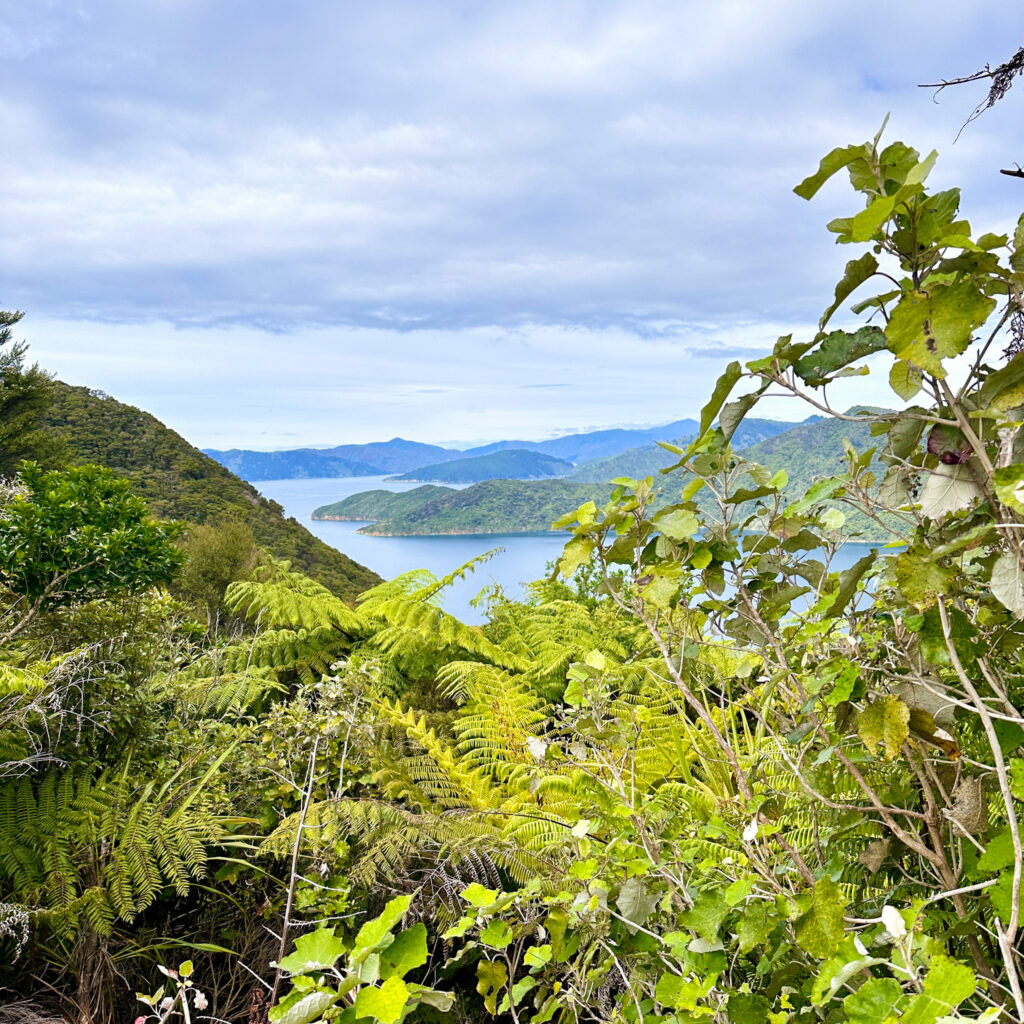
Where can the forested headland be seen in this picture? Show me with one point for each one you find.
(698, 774)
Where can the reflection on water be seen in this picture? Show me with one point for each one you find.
(523, 559)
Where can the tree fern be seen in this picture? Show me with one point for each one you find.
(95, 850)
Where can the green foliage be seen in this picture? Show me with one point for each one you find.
(217, 556)
(88, 852)
(365, 978)
(178, 481)
(710, 775)
(25, 394)
(77, 533)
(494, 506)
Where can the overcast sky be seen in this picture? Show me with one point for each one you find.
(317, 222)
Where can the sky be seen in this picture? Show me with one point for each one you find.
(321, 222)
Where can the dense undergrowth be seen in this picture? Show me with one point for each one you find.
(697, 774)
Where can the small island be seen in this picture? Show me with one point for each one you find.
(492, 506)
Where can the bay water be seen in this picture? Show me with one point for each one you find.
(522, 557)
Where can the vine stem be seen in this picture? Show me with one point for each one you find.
(1005, 936)
(294, 872)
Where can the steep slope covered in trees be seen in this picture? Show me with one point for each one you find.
(648, 459)
(180, 482)
(493, 506)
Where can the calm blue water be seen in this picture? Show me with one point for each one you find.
(523, 559)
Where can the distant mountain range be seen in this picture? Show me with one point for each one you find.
(511, 464)
(398, 456)
(375, 459)
(806, 451)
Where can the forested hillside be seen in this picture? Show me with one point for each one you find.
(180, 482)
(805, 453)
(493, 506)
(652, 458)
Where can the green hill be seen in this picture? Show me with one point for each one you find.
(493, 506)
(811, 451)
(806, 452)
(180, 482)
(368, 506)
(650, 459)
(510, 464)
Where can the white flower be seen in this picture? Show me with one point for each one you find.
(750, 832)
(166, 1003)
(200, 1000)
(893, 921)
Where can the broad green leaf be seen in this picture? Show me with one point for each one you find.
(733, 412)
(1008, 583)
(1001, 895)
(919, 172)
(634, 903)
(920, 580)
(856, 273)
(905, 379)
(408, 951)
(683, 993)
(723, 388)
(677, 523)
(478, 896)
(384, 1004)
(439, 1000)
(663, 587)
(576, 552)
(998, 853)
(820, 490)
(314, 951)
(1009, 481)
(838, 349)
(866, 223)
(831, 163)
(377, 932)
(849, 579)
(929, 326)
(748, 1008)
(948, 984)
(706, 915)
(820, 930)
(886, 722)
(1005, 387)
(491, 977)
(877, 1000)
(521, 987)
(739, 891)
(302, 1007)
(537, 956)
(497, 934)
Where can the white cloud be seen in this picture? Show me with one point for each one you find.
(583, 181)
